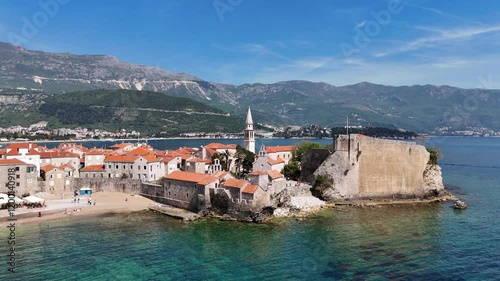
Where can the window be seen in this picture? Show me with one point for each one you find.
(117, 167)
(131, 167)
(109, 166)
(124, 167)
(18, 184)
(187, 195)
(17, 169)
(18, 176)
(51, 176)
(145, 168)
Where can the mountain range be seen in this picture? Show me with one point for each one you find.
(420, 108)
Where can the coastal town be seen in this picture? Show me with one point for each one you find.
(222, 178)
(71, 168)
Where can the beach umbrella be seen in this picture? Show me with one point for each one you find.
(18, 200)
(33, 200)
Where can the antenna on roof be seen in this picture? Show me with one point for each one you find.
(347, 127)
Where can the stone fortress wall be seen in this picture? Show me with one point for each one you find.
(365, 168)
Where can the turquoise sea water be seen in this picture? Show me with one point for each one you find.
(420, 242)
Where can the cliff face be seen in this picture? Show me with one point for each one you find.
(433, 179)
(368, 168)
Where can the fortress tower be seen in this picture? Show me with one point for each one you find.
(249, 133)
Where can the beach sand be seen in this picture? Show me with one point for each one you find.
(106, 203)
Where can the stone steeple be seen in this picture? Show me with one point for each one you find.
(249, 133)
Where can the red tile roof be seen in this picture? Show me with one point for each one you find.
(16, 152)
(210, 151)
(186, 151)
(48, 167)
(207, 180)
(63, 154)
(172, 154)
(150, 159)
(202, 179)
(24, 145)
(285, 148)
(221, 146)
(119, 145)
(140, 151)
(93, 168)
(195, 160)
(235, 183)
(275, 174)
(95, 151)
(220, 174)
(250, 189)
(62, 167)
(119, 158)
(168, 159)
(275, 162)
(14, 161)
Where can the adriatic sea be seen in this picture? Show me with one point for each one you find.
(412, 242)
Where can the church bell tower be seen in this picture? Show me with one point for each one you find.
(249, 133)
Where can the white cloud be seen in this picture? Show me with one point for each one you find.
(441, 36)
(439, 12)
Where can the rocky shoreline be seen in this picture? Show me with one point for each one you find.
(302, 207)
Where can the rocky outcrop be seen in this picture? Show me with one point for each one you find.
(433, 178)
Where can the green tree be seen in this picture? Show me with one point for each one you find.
(435, 155)
(292, 170)
(302, 148)
(244, 161)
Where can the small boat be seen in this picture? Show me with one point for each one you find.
(460, 205)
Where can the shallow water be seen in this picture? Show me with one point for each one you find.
(420, 242)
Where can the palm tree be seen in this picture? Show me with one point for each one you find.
(226, 162)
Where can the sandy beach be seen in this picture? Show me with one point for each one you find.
(106, 202)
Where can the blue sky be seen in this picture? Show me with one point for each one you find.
(393, 42)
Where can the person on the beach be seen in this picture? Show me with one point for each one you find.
(78, 199)
(126, 199)
(94, 202)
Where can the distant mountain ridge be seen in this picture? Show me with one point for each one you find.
(421, 108)
(150, 113)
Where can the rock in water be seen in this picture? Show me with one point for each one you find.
(459, 204)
